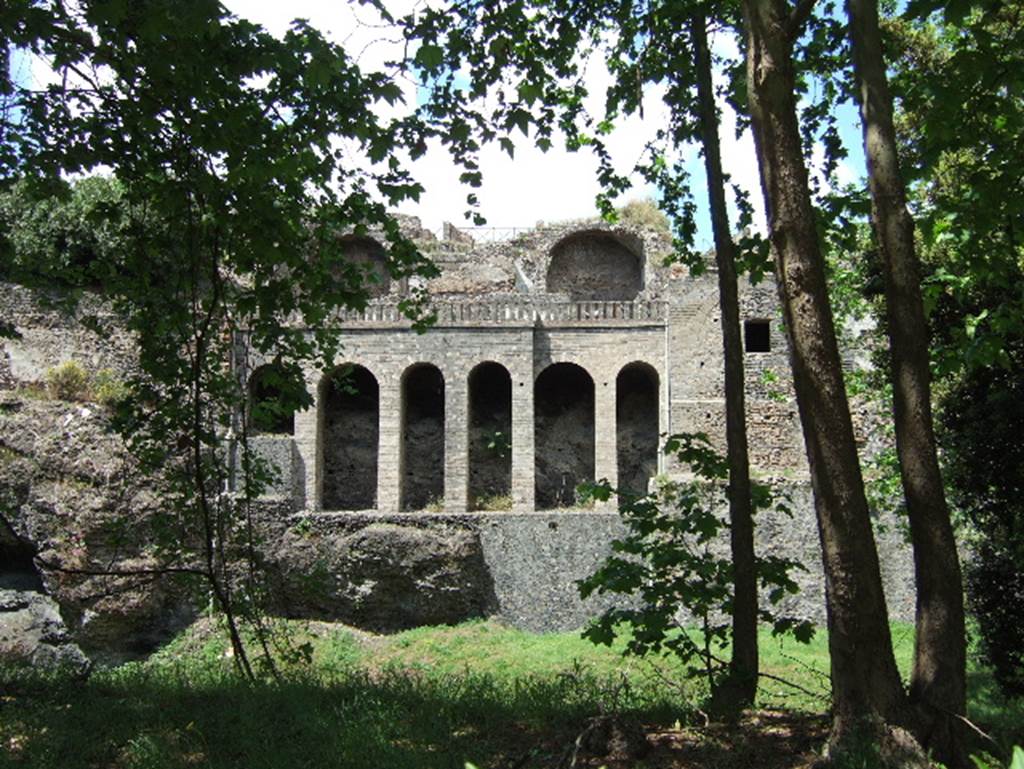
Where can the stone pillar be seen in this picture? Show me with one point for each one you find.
(389, 448)
(309, 456)
(606, 459)
(456, 444)
(523, 484)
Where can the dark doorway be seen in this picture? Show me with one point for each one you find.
(636, 420)
(351, 433)
(422, 438)
(269, 412)
(564, 434)
(490, 437)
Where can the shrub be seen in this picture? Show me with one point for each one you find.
(666, 563)
(108, 389)
(71, 381)
(493, 502)
(68, 382)
(995, 594)
(982, 418)
(644, 213)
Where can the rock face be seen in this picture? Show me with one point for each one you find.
(383, 577)
(76, 522)
(32, 630)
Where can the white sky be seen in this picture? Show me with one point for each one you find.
(534, 186)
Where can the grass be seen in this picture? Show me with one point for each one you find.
(431, 697)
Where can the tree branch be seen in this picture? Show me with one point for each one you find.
(798, 18)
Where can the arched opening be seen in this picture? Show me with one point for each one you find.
(371, 260)
(351, 432)
(595, 265)
(490, 437)
(422, 437)
(270, 408)
(636, 432)
(564, 434)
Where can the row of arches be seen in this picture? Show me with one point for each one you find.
(564, 434)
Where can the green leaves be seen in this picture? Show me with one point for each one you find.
(219, 233)
(672, 565)
(429, 56)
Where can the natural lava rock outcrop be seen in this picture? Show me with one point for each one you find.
(382, 577)
(74, 528)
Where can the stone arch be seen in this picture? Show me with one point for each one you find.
(490, 436)
(563, 433)
(422, 463)
(636, 425)
(595, 264)
(350, 439)
(369, 257)
(269, 410)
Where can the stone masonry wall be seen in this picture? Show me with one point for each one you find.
(360, 468)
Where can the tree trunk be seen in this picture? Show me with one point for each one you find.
(743, 666)
(865, 682)
(937, 684)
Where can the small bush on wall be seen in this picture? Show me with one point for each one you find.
(68, 382)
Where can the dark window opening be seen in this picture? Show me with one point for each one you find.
(757, 336)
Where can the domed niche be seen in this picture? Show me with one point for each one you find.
(595, 265)
(369, 257)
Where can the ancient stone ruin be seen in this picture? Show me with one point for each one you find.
(435, 477)
(557, 357)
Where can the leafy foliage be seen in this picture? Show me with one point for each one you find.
(496, 72)
(960, 82)
(231, 181)
(669, 562)
(962, 120)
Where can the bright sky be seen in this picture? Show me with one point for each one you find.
(534, 186)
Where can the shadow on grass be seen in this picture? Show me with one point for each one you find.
(138, 716)
(1001, 717)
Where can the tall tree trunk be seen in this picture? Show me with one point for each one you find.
(937, 684)
(865, 682)
(742, 684)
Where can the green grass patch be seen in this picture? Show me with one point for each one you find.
(431, 697)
